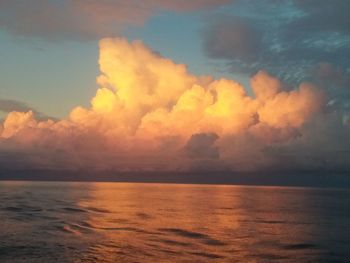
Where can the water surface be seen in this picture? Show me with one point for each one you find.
(125, 222)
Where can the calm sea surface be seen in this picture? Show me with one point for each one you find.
(121, 222)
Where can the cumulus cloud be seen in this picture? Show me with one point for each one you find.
(85, 19)
(150, 113)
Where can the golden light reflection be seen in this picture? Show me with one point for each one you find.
(133, 222)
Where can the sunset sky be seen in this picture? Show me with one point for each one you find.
(242, 85)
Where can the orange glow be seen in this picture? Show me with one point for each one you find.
(147, 103)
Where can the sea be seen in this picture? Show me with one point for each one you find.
(136, 222)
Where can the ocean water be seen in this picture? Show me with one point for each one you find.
(125, 222)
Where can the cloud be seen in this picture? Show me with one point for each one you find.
(231, 38)
(324, 146)
(7, 106)
(336, 16)
(287, 40)
(201, 146)
(336, 83)
(150, 113)
(85, 19)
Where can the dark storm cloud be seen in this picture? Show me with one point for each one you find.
(324, 15)
(85, 19)
(287, 37)
(231, 38)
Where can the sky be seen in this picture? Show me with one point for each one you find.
(225, 85)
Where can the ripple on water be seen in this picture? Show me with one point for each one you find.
(206, 239)
(98, 210)
(13, 209)
(207, 255)
(173, 242)
(69, 229)
(299, 246)
(74, 210)
(144, 216)
(106, 228)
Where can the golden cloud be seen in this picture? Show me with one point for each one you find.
(147, 108)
